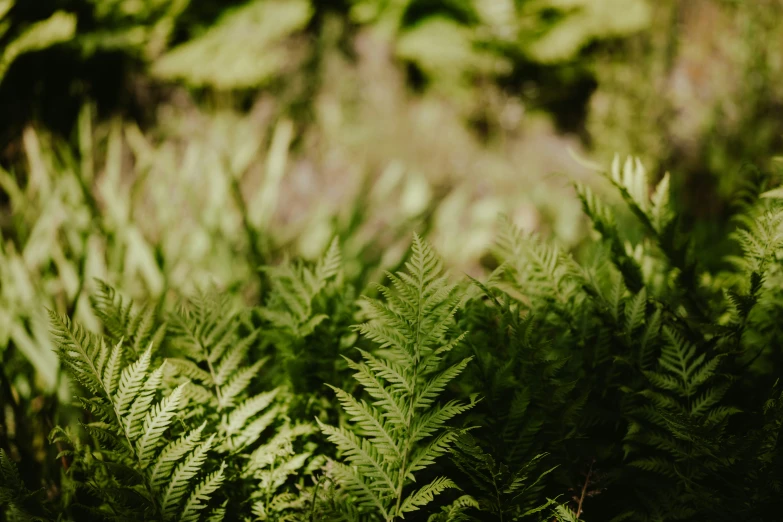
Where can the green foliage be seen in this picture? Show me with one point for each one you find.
(505, 491)
(138, 328)
(256, 440)
(403, 430)
(528, 401)
(245, 48)
(149, 471)
(15, 498)
(58, 28)
(305, 318)
(166, 441)
(620, 371)
(624, 381)
(675, 124)
(482, 37)
(664, 344)
(563, 28)
(293, 289)
(141, 28)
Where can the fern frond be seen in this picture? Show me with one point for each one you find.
(237, 384)
(133, 429)
(184, 474)
(635, 311)
(331, 263)
(79, 352)
(426, 494)
(139, 328)
(435, 385)
(604, 223)
(113, 369)
(134, 420)
(395, 407)
(238, 418)
(167, 459)
(230, 362)
(363, 454)
(369, 423)
(132, 383)
(425, 456)
(201, 495)
(156, 422)
(294, 290)
(366, 494)
(14, 495)
(456, 511)
(402, 431)
(661, 212)
(214, 345)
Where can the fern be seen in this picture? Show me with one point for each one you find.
(403, 430)
(138, 328)
(506, 492)
(293, 289)
(526, 385)
(660, 225)
(626, 378)
(536, 269)
(456, 511)
(213, 344)
(306, 308)
(649, 332)
(682, 421)
(15, 499)
(151, 471)
(605, 224)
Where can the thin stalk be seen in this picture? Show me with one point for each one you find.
(579, 508)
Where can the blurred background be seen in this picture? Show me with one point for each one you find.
(163, 145)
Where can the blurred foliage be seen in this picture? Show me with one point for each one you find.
(57, 28)
(141, 27)
(699, 92)
(240, 45)
(457, 107)
(562, 28)
(690, 85)
(244, 48)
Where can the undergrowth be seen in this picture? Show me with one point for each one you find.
(626, 383)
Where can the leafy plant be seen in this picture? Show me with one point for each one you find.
(15, 498)
(625, 381)
(403, 430)
(142, 468)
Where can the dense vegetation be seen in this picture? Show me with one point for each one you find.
(632, 386)
(364, 260)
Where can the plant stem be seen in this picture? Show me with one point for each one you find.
(584, 491)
